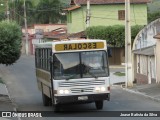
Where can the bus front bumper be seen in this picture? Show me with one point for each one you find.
(81, 98)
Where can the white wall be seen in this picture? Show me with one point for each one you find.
(145, 36)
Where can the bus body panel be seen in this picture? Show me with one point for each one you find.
(81, 86)
(81, 90)
(77, 90)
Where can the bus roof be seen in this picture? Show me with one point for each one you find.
(74, 45)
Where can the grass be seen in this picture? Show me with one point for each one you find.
(119, 74)
(1, 81)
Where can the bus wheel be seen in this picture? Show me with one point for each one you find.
(56, 108)
(46, 100)
(99, 104)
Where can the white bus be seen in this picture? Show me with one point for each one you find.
(73, 71)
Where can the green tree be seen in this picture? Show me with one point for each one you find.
(17, 11)
(2, 10)
(43, 11)
(10, 42)
(2, 16)
(48, 11)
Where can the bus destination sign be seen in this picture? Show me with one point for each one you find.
(79, 46)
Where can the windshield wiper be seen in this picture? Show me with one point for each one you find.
(88, 71)
(70, 77)
(92, 75)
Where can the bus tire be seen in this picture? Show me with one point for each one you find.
(46, 100)
(99, 104)
(57, 108)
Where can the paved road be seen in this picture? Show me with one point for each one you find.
(21, 82)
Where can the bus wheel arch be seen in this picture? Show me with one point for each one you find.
(99, 105)
(46, 100)
(57, 108)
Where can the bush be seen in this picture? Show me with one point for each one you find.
(119, 74)
(114, 35)
(10, 42)
(153, 16)
(2, 16)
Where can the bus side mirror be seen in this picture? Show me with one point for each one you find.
(109, 50)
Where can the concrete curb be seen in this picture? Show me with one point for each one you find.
(6, 93)
(3, 89)
(141, 94)
(14, 105)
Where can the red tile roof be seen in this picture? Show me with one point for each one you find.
(81, 34)
(82, 2)
(58, 36)
(73, 7)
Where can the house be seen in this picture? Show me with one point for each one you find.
(146, 57)
(57, 34)
(37, 32)
(157, 37)
(105, 13)
(49, 27)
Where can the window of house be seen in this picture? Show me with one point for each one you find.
(121, 15)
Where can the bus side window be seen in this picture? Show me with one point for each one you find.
(37, 58)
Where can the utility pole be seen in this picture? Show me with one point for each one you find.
(128, 58)
(26, 29)
(88, 14)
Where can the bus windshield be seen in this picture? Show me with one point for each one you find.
(80, 65)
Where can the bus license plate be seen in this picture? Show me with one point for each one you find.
(83, 98)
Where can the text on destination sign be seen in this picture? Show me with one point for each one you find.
(79, 46)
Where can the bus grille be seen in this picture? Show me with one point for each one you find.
(81, 83)
(81, 90)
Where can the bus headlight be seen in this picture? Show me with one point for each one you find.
(66, 91)
(97, 89)
(103, 89)
(100, 89)
(63, 91)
